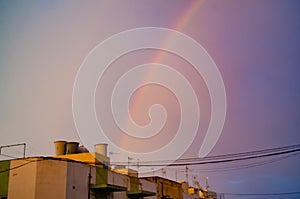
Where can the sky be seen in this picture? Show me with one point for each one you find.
(255, 45)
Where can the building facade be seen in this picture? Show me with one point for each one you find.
(48, 178)
(85, 176)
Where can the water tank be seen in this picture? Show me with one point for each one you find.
(72, 147)
(101, 149)
(60, 147)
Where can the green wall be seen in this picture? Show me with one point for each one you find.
(101, 176)
(4, 177)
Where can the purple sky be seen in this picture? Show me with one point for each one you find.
(254, 43)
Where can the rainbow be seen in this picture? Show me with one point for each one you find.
(158, 58)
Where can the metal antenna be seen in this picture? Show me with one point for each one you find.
(163, 172)
(206, 182)
(187, 173)
(13, 145)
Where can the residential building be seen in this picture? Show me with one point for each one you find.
(79, 175)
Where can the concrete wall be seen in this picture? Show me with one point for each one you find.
(118, 179)
(22, 178)
(166, 188)
(189, 196)
(118, 195)
(51, 179)
(148, 186)
(77, 186)
(37, 178)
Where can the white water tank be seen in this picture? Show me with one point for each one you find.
(101, 149)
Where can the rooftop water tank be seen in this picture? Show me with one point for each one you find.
(60, 147)
(101, 149)
(72, 147)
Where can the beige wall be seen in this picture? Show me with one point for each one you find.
(78, 180)
(22, 179)
(51, 179)
(38, 178)
(118, 195)
(148, 186)
(42, 178)
(189, 196)
(166, 187)
(118, 179)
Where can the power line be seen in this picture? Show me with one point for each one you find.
(225, 156)
(217, 159)
(21, 165)
(244, 154)
(220, 158)
(261, 194)
(244, 166)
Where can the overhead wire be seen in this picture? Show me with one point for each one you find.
(243, 154)
(259, 154)
(219, 158)
(262, 194)
(21, 165)
(244, 166)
